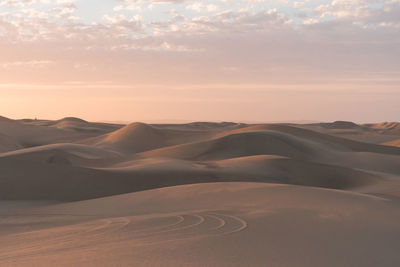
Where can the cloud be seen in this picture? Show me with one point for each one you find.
(172, 44)
(156, 1)
(17, 3)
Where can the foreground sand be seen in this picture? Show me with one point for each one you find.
(229, 194)
(223, 224)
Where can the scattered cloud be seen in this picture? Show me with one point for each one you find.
(130, 40)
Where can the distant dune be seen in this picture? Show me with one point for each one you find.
(79, 193)
(392, 143)
(386, 126)
(340, 125)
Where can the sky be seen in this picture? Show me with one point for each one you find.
(189, 60)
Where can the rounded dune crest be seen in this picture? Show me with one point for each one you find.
(72, 119)
(70, 123)
(333, 142)
(133, 138)
(240, 144)
(341, 125)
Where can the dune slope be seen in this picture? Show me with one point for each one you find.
(223, 224)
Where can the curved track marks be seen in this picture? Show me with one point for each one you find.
(192, 226)
(132, 229)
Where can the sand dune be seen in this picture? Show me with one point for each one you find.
(375, 133)
(260, 153)
(239, 145)
(393, 143)
(386, 127)
(262, 168)
(222, 224)
(78, 193)
(76, 125)
(138, 137)
(135, 137)
(289, 142)
(340, 125)
(33, 135)
(55, 177)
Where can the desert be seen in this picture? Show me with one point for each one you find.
(79, 193)
(212, 133)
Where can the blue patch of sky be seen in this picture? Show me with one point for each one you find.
(90, 11)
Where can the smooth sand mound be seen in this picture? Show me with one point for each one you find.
(239, 145)
(138, 137)
(325, 139)
(340, 125)
(79, 125)
(221, 224)
(283, 141)
(71, 123)
(73, 119)
(133, 138)
(335, 142)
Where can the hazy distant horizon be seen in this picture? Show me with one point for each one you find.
(178, 121)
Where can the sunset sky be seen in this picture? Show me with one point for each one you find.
(172, 60)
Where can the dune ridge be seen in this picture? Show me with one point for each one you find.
(138, 137)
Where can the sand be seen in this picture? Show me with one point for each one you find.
(77, 193)
(392, 143)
